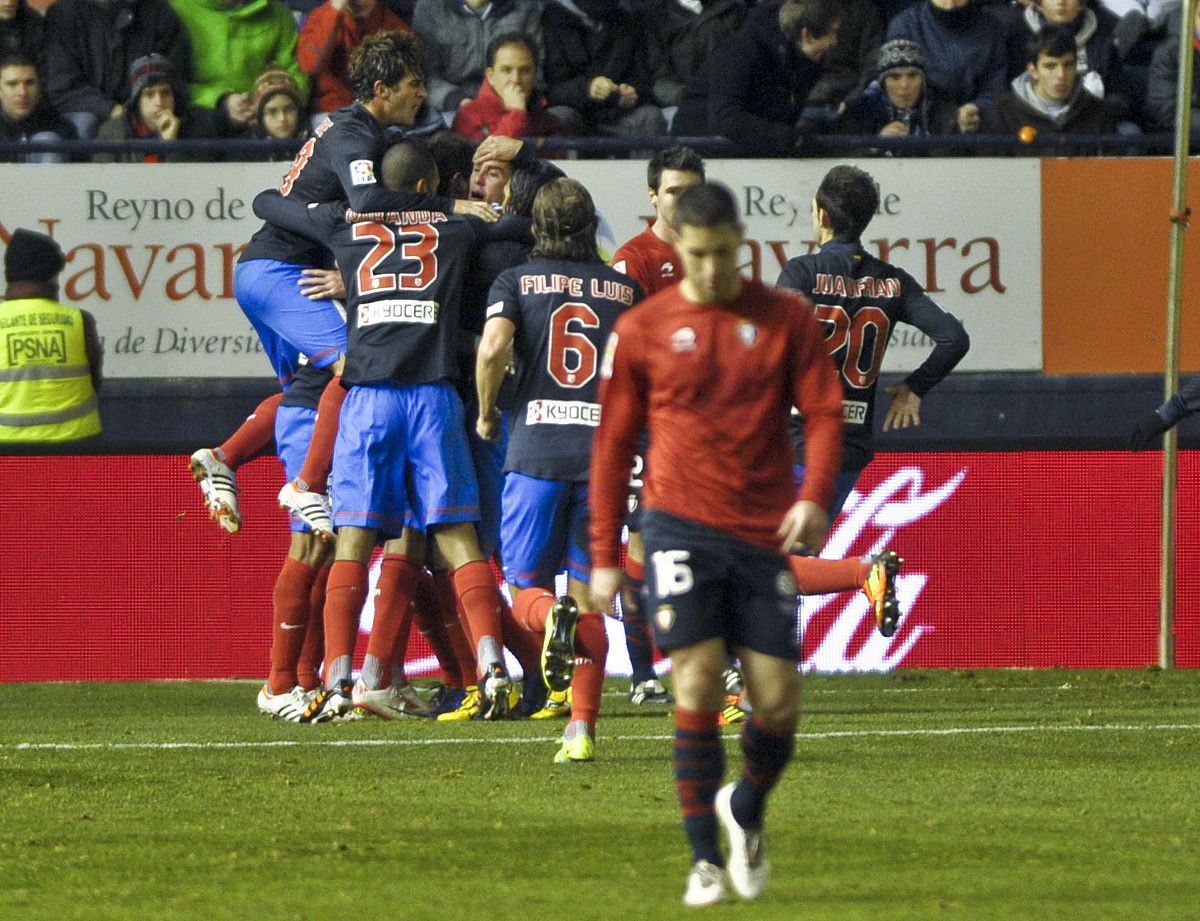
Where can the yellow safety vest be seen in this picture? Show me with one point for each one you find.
(46, 391)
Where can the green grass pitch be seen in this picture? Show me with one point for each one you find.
(917, 795)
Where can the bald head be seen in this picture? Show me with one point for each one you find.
(405, 164)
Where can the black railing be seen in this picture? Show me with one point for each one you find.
(1157, 144)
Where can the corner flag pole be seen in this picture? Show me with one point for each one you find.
(1179, 222)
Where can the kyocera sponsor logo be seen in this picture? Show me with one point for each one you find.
(853, 411)
(397, 312)
(562, 412)
(900, 500)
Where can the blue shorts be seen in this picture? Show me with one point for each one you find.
(401, 459)
(286, 321)
(703, 584)
(293, 432)
(544, 527)
(488, 457)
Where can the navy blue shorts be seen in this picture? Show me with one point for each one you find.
(702, 584)
(401, 459)
(293, 432)
(543, 528)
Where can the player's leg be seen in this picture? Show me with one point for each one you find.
(686, 603)
(644, 685)
(446, 498)
(306, 490)
(308, 668)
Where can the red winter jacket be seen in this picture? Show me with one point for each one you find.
(486, 114)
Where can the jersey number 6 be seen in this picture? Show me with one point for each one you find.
(572, 355)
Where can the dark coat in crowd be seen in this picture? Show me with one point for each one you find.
(964, 51)
(24, 34)
(1163, 83)
(90, 45)
(680, 41)
(850, 63)
(871, 110)
(753, 90)
(1021, 107)
(42, 118)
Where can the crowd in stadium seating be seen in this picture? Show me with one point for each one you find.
(767, 75)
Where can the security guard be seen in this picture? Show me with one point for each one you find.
(49, 354)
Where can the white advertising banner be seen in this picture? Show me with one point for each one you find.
(151, 248)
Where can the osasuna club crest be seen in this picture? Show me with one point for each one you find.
(747, 332)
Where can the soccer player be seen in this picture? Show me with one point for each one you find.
(712, 368)
(401, 423)
(340, 164)
(650, 259)
(556, 312)
(859, 299)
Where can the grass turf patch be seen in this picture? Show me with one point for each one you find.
(913, 795)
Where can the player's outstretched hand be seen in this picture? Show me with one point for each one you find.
(497, 147)
(803, 529)
(605, 582)
(1148, 427)
(905, 409)
(479, 209)
(322, 284)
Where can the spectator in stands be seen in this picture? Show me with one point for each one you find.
(507, 102)
(1099, 65)
(681, 35)
(597, 72)
(850, 64)
(1049, 97)
(1140, 23)
(22, 30)
(330, 33)
(279, 112)
(24, 114)
(964, 52)
(234, 41)
(756, 83)
(455, 35)
(1164, 78)
(898, 103)
(90, 46)
(157, 109)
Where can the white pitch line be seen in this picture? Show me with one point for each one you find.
(532, 740)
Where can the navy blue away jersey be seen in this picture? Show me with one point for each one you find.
(340, 164)
(563, 312)
(859, 299)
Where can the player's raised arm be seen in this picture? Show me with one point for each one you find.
(314, 222)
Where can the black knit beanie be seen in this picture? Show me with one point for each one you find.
(32, 256)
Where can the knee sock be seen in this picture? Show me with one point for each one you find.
(638, 639)
(699, 769)
(525, 645)
(766, 755)
(397, 583)
(591, 650)
(290, 606)
(344, 597)
(252, 436)
(309, 666)
(453, 621)
(429, 622)
(481, 604)
(815, 576)
(314, 475)
(531, 607)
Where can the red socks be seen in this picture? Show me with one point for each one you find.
(429, 622)
(481, 604)
(344, 597)
(314, 475)
(309, 666)
(531, 607)
(252, 436)
(443, 586)
(291, 609)
(591, 649)
(397, 585)
(815, 576)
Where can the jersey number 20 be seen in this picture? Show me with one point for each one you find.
(859, 369)
(573, 356)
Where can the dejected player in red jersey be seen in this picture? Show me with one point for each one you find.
(712, 368)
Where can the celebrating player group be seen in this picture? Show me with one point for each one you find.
(494, 392)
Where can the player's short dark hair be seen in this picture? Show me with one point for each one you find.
(454, 154)
(564, 222)
(708, 204)
(386, 56)
(406, 163)
(851, 198)
(677, 157)
(524, 39)
(526, 181)
(818, 16)
(17, 59)
(1052, 41)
